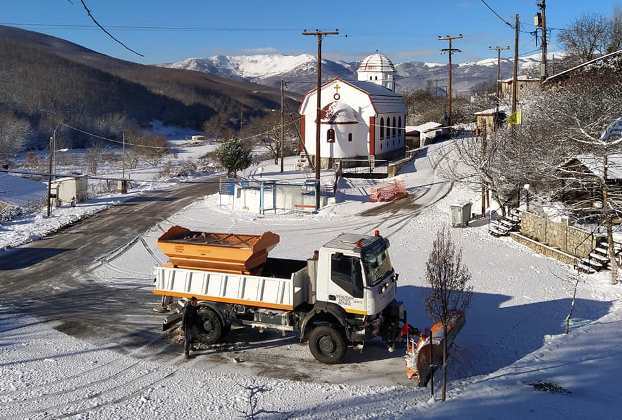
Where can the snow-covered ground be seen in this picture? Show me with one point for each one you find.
(513, 336)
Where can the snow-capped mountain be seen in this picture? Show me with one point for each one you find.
(299, 70)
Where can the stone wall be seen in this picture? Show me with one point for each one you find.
(543, 249)
(568, 239)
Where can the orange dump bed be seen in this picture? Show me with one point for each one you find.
(224, 252)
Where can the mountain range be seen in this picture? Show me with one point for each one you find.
(299, 70)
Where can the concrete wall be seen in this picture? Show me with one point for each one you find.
(568, 239)
(287, 198)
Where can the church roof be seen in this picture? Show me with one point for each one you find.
(377, 62)
(382, 99)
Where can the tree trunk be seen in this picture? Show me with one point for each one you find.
(444, 390)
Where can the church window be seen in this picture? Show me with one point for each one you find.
(376, 77)
(349, 136)
(370, 78)
(381, 128)
(394, 128)
(330, 135)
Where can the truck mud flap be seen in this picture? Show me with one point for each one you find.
(170, 321)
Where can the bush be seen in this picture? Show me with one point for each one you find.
(234, 156)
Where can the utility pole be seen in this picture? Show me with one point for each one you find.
(282, 123)
(450, 51)
(123, 157)
(51, 151)
(541, 23)
(318, 116)
(498, 84)
(515, 71)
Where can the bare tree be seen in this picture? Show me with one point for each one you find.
(451, 291)
(14, 133)
(588, 36)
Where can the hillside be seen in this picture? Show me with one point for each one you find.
(299, 70)
(47, 78)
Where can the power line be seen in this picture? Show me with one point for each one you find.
(118, 41)
(497, 14)
(154, 28)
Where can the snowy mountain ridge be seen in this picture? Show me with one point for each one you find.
(298, 70)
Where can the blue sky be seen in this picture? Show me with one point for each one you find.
(403, 29)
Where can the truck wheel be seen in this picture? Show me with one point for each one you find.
(327, 344)
(210, 328)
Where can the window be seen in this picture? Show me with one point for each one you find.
(370, 78)
(350, 137)
(399, 124)
(376, 77)
(381, 128)
(345, 272)
(330, 135)
(394, 128)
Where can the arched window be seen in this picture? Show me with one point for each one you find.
(381, 128)
(376, 77)
(394, 127)
(370, 78)
(330, 135)
(350, 137)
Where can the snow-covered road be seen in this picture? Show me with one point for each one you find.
(511, 338)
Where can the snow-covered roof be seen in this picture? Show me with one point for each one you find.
(594, 164)
(423, 128)
(587, 63)
(20, 191)
(523, 78)
(377, 62)
(491, 111)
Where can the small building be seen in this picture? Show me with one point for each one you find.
(66, 190)
(360, 119)
(526, 85)
(485, 120)
(197, 138)
(421, 135)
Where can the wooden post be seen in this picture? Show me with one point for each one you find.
(450, 51)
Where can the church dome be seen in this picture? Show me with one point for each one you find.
(376, 63)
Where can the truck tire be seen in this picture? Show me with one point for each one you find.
(327, 344)
(210, 328)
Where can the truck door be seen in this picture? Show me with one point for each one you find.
(346, 285)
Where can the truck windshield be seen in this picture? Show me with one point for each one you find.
(377, 266)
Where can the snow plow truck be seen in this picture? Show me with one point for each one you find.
(341, 297)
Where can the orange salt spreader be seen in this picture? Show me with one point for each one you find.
(223, 252)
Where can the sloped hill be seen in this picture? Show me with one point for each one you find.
(46, 78)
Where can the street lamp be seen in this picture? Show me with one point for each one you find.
(51, 154)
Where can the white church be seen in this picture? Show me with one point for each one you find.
(361, 119)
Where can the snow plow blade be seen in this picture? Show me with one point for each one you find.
(171, 321)
(424, 355)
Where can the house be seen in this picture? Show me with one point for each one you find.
(526, 85)
(611, 62)
(360, 119)
(485, 120)
(421, 135)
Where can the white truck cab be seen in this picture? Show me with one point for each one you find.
(355, 272)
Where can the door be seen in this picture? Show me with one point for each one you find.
(346, 283)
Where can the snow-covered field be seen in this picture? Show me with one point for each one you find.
(513, 336)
